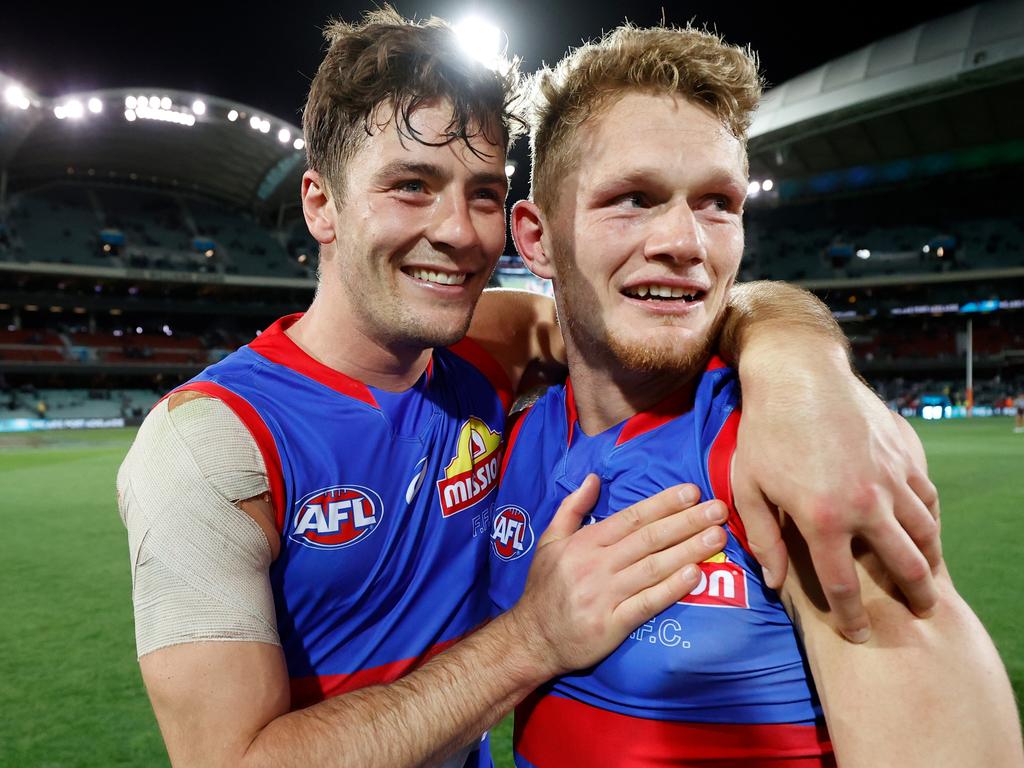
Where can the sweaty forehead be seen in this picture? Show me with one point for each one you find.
(431, 125)
(659, 128)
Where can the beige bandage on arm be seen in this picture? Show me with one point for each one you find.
(200, 565)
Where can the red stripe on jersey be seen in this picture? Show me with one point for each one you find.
(484, 361)
(720, 474)
(556, 732)
(570, 409)
(512, 437)
(275, 345)
(676, 404)
(260, 433)
(316, 688)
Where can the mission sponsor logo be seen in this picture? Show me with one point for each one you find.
(722, 585)
(336, 517)
(473, 471)
(511, 532)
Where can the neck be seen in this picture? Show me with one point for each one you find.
(607, 394)
(330, 335)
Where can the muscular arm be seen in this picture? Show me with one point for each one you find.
(226, 703)
(920, 692)
(817, 442)
(517, 328)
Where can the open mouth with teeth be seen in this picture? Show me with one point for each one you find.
(441, 278)
(662, 293)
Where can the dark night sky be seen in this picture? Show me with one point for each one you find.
(263, 54)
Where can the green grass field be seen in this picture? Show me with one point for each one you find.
(70, 691)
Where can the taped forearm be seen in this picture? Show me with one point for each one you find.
(199, 563)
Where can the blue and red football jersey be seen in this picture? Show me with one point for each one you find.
(717, 679)
(383, 505)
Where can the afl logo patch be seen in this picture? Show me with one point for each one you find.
(336, 517)
(511, 533)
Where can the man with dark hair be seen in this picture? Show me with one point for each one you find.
(308, 519)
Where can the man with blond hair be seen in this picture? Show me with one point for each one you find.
(639, 182)
(308, 519)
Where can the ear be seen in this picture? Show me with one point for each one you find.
(528, 227)
(318, 207)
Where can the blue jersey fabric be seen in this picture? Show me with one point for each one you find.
(383, 503)
(725, 655)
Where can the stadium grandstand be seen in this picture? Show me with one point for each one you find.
(146, 232)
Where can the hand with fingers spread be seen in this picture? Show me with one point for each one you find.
(834, 459)
(589, 587)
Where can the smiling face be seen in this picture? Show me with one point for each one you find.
(647, 234)
(416, 233)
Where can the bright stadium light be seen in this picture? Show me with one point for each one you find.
(754, 188)
(265, 126)
(510, 168)
(130, 102)
(767, 185)
(154, 102)
(480, 40)
(863, 253)
(199, 107)
(284, 135)
(254, 122)
(74, 109)
(299, 144)
(60, 112)
(15, 96)
(926, 249)
(233, 115)
(129, 115)
(95, 105)
(165, 102)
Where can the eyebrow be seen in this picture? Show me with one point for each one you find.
(430, 170)
(651, 174)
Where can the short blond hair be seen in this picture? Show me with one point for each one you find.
(692, 63)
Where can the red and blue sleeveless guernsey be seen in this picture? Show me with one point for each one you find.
(717, 679)
(383, 505)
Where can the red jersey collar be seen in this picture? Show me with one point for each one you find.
(675, 404)
(275, 345)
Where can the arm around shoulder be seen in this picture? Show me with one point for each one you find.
(921, 691)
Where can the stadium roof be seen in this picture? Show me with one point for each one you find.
(948, 84)
(172, 139)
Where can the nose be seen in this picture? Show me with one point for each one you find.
(452, 226)
(675, 236)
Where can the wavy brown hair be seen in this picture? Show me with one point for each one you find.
(385, 67)
(692, 63)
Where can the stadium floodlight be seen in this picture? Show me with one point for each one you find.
(154, 102)
(863, 253)
(510, 168)
(940, 251)
(480, 40)
(754, 188)
(284, 135)
(60, 112)
(254, 122)
(15, 96)
(767, 185)
(130, 102)
(299, 144)
(74, 109)
(95, 105)
(927, 249)
(199, 107)
(129, 115)
(165, 102)
(265, 126)
(233, 115)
